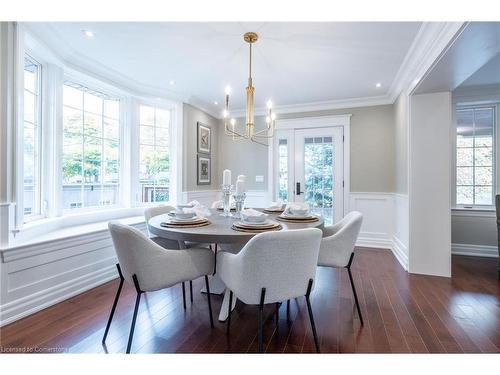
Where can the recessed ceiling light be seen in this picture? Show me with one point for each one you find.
(216, 103)
(172, 82)
(378, 85)
(88, 33)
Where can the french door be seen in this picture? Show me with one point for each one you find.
(308, 165)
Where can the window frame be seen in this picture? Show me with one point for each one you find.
(175, 151)
(39, 113)
(96, 86)
(496, 141)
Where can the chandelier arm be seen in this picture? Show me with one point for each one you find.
(258, 142)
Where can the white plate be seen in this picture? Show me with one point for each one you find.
(249, 223)
(179, 220)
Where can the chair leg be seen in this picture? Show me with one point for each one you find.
(209, 302)
(228, 325)
(261, 310)
(354, 289)
(288, 309)
(311, 317)
(215, 259)
(277, 313)
(184, 295)
(114, 304)
(191, 290)
(134, 318)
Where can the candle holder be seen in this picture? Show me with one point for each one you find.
(226, 195)
(239, 201)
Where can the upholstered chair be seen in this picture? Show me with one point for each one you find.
(171, 244)
(337, 247)
(271, 268)
(150, 267)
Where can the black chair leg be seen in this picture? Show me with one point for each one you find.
(191, 290)
(261, 311)
(311, 317)
(215, 259)
(114, 304)
(136, 309)
(209, 302)
(277, 312)
(228, 325)
(288, 309)
(354, 289)
(184, 295)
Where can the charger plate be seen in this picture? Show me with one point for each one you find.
(221, 209)
(279, 227)
(183, 225)
(310, 219)
(276, 211)
(269, 225)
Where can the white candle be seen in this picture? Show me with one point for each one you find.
(226, 177)
(242, 177)
(240, 187)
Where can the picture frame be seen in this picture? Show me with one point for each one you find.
(204, 170)
(204, 138)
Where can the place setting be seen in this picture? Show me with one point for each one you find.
(253, 221)
(275, 208)
(297, 213)
(190, 215)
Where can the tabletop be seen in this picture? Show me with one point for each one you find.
(219, 231)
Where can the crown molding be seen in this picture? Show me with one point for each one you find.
(430, 43)
(320, 106)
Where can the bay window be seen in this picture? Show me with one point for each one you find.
(31, 139)
(154, 154)
(475, 156)
(90, 154)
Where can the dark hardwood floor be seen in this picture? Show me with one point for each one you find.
(403, 314)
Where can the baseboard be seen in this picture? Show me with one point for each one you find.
(368, 240)
(474, 250)
(400, 252)
(31, 304)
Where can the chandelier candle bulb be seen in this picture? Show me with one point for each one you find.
(242, 177)
(226, 177)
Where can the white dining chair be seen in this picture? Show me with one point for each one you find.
(171, 244)
(150, 267)
(271, 268)
(337, 247)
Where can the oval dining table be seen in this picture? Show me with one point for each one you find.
(219, 231)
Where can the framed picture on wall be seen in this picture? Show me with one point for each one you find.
(204, 138)
(204, 170)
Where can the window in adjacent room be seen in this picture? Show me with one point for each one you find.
(154, 154)
(32, 139)
(91, 144)
(475, 156)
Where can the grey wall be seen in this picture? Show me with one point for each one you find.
(474, 230)
(372, 150)
(401, 144)
(191, 116)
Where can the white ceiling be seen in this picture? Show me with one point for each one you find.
(294, 63)
(488, 74)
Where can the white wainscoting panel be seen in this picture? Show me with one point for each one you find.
(378, 214)
(205, 197)
(37, 276)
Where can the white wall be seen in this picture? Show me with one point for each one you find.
(429, 184)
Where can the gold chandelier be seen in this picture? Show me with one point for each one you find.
(250, 133)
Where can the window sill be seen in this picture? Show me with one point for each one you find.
(51, 229)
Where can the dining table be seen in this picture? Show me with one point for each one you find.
(220, 231)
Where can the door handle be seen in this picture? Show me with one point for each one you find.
(297, 189)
